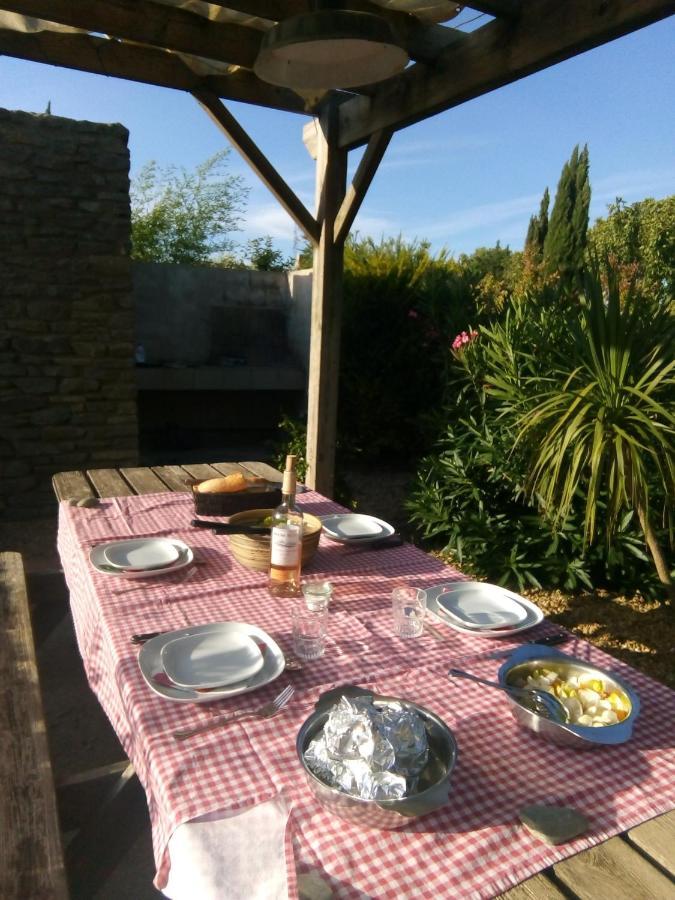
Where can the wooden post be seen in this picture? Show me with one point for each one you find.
(324, 355)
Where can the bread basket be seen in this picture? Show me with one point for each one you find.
(253, 550)
(265, 493)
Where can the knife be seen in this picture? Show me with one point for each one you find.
(226, 528)
(549, 641)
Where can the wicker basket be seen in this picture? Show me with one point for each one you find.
(253, 550)
(237, 501)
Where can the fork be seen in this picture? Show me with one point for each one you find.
(264, 712)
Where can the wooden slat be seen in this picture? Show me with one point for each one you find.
(361, 181)
(228, 468)
(31, 859)
(262, 470)
(173, 476)
(538, 887)
(109, 483)
(71, 486)
(144, 480)
(257, 160)
(102, 56)
(615, 870)
(201, 470)
(656, 838)
(150, 23)
(547, 32)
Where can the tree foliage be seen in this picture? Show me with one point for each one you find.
(565, 241)
(638, 241)
(184, 217)
(537, 230)
(261, 254)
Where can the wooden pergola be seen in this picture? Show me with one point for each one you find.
(209, 49)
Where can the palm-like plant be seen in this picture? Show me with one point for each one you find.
(600, 421)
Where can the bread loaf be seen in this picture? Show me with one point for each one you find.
(228, 484)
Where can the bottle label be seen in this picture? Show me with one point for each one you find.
(286, 545)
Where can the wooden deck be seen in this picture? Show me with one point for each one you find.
(637, 865)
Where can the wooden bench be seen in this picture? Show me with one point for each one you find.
(31, 857)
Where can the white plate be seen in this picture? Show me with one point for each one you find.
(98, 560)
(533, 615)
(484, 606)
(214, 659)
(141, 553)
(150, 662)
(351, 527)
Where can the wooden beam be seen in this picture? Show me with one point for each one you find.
(546, 33)
(422, 42)
(324, 355)
(360, 183)
(508, 8)
(101, 56)
(259, 163)
(150, 23)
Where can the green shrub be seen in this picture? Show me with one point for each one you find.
(401, 305)
(479, 494)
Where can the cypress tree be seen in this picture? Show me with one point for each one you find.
(565, 240)
(536, 232)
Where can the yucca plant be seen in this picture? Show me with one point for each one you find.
(600, 421)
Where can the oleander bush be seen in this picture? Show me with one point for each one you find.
(562, 423)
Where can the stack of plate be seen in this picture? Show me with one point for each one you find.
(487, 610)
(355, 528)
(204, 663)
(140, 557)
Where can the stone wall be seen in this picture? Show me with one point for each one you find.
(67, 389)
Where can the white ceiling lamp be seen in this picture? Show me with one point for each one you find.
(329, 48)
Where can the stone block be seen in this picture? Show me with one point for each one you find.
(20, 404)
(36, 385)
(53, 415)
(45, 310)
(15, 468)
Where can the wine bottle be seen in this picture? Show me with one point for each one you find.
(286, 555)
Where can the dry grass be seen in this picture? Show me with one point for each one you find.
(638, 631)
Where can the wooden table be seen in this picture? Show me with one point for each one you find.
(636, 865)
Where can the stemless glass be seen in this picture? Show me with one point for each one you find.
(408, 605)
(317, 594)
(309, 631)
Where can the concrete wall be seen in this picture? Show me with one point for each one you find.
(67, 379)
(216, 317)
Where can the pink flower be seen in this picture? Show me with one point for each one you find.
(463, 338)
(412, 314)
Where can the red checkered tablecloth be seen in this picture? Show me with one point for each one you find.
(474, 846)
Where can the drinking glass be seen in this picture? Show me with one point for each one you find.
(309, 631)
(317, 594)
(408, 607)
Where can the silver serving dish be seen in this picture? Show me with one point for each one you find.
(526, 658)
(434, 782)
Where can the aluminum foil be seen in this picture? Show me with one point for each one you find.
(372, 752)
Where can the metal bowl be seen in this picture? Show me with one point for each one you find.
(387, 814)
(519, 665)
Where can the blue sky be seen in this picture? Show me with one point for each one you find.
(466, 178)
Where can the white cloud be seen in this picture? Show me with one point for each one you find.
(269, 219)
(483, 216)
